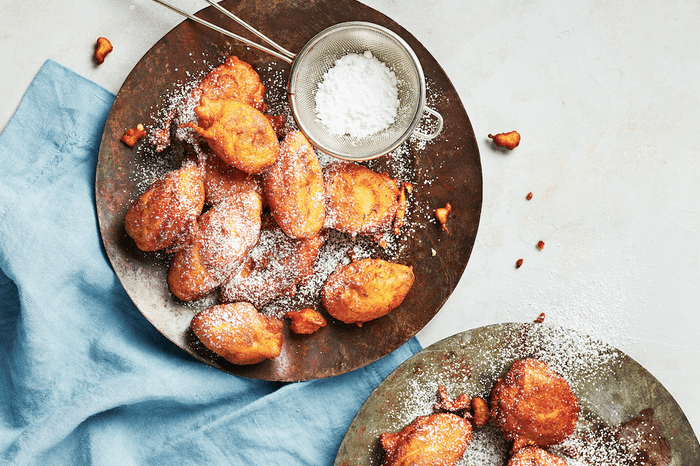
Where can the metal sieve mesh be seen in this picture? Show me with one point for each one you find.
(320, 54)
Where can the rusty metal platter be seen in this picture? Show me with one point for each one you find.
(612, 390)
(447, 169)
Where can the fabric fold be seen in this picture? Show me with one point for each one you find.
(84, 378)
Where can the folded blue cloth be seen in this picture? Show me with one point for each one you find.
(85, 379)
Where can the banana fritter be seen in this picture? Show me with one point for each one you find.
(533, 405)
(161, 213)
(294, 188)
(360, 200)
(221, 180)
(238, 133)
(217, 246)
(436, 440)
(239, 333)
(236, 80)
(365, 290)
(274, 268)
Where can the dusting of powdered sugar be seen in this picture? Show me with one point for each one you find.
(177, 109)
(471, 365)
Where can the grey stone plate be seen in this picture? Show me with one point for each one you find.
(611, 387)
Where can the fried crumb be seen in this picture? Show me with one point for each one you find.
(102, 48)
(509, 140)
(441, 215)
(132, 135)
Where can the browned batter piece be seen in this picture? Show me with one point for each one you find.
(533, 405)
(305, 322)
(161, 213)
(221, 180)
(238, 133)
(188, 279)
(274, 268)
(219, 243)
(366, 290)
(239, 333)
(236, 80)
(534, 456)
(360, 200)
(436, 440)
(294, 188)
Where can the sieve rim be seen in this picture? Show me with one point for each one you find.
(299, 61)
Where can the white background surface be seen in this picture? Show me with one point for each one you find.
(606, 96)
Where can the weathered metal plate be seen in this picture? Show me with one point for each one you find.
(448, 169)
(611, 388)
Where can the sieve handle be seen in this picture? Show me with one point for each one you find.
(436, 131)
(281, 53)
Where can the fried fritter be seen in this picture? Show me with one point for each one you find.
(238, 133)
(221, 180)
(217, 246)
(188, 278)
(436, 440)
(274, 268)
(294, 188)
(234, 79)
(306, 321)
(533, 405)
(239, 333)
(534, 456)
(360, 200)
(365, 290)
(161, 213)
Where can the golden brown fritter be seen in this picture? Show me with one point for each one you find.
(221, 180)
(360, 200)
(436, 440)
(533, 405)
(294, 188)
(161, 213)
(238, 133)
(235, 80)
(217, 246)
(365, 290)
(306, 321)
(188, 279)
(534, 456)
(274, 268)
(239, 333)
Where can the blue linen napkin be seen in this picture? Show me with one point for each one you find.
(85, 379)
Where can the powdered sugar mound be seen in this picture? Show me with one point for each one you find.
(358, 96)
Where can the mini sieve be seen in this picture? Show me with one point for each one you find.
(308, 68)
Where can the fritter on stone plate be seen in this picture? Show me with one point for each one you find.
(365, 290)
(238, 133)
(533, 405)
(294, 188)
(360, 200)
(216, 246)
(274, 268)
(239, 333)
(436, 440)
(161, 213)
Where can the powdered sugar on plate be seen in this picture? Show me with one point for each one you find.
(606, 382)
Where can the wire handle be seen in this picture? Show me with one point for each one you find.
(434, 133)
(281, 52)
